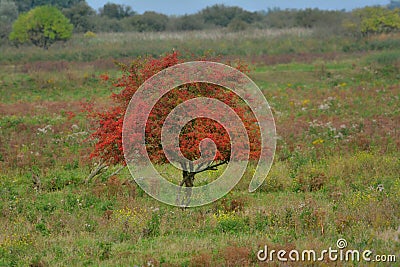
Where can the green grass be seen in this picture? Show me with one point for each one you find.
(66, 84)
(338, 126)
(243, 44)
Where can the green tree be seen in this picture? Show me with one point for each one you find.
(106, 24)
(26, 5)
(149, 21)
(277, 18)
(237, 25)
(378, 20)
(115, 11)
(8, 14)
(81, 16)
(372, 20)
(42, 26)
(308, 17)
(186, 23)
(221, 15)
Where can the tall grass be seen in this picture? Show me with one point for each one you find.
(122, 45)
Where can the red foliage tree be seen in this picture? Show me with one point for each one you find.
(108, 132)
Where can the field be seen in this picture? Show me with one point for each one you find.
(336, 172)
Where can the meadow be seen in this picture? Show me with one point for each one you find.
(336, 172)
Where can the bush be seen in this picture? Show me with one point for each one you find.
(89, 34)
(42, 27)
(230, 222)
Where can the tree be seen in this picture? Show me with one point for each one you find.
(277, 18)
(308, 17)
(237, 25)
(81, 16)
(186, 23)
(41, 26)
(26, 5)
(106, 24)
(115, 11)
(377, 20)
(149, 21)
(221, 15)
(108, 125)
(8, 14)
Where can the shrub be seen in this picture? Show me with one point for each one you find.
(230, 222)
(89, 34)
(41, 26)
(153, 226)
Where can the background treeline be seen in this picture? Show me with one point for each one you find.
(121, 18)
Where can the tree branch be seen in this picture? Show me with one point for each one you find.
(117, 171)
(100, 166)
(213, 167)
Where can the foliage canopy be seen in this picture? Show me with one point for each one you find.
(378, 20)
(26, 5)
(108, 131)
(8, 13)
(42, 26)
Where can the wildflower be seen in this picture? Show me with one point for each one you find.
(380, 187)
(45, 129)
(323, 106)
(338, 136)
(318, 141)
(104, 77)
(305, 102)
(70, 115)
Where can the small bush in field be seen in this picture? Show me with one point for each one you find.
(230, 222)
(89, 34)
(41, 26)
(152, 228)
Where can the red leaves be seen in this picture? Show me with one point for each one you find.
(108, 134)
(104, 77)
(70, 115)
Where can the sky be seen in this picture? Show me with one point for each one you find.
(181, 7)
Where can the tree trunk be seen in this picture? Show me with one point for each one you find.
(187, 180)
